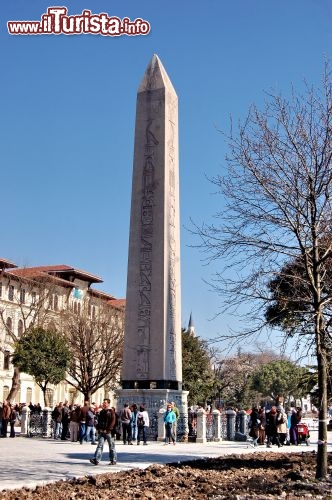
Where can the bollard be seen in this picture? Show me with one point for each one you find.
(161, 425)
(230, 424)
(201, 426)
(242, 421)
(216, 426)
(24, 420)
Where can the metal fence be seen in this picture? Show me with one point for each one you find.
(39, 424)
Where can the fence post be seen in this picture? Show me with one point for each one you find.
(47, 422)
(24, 420)
(230, 424)
(161, 425)
(201, 426)
(216, 425)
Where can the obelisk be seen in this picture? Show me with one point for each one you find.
(152, 361)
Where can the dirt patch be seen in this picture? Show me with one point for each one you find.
(257, 475)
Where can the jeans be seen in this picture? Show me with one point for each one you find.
(90, 431)
(169, 432)
(141, 434)
(126, 432)
(82, 431)
(103, 436)
(57, 430)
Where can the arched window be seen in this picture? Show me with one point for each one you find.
(5, 392)
(49, 397)
(9, 329)
(6, 360)
(9, 324)
(29, 396)
(20, 328)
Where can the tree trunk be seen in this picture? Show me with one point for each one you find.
(15, 385)
(321, 464)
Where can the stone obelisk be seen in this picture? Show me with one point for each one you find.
(152, 361)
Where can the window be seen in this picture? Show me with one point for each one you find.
(9, 324)
(20, 328)
(6, 362)
(75, 307)
(29, 395)
(49, 395)
(22, 296)
(11, 292)
(0, 289)
(79, 308)
(5, 392)
(55, 302)
(33, 298)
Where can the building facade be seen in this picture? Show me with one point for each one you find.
(44, 296)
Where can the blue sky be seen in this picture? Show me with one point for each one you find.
(68, 113)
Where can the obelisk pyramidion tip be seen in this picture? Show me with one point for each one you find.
(155, 77)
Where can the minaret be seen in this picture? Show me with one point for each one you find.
(191, 328)
(152, 358)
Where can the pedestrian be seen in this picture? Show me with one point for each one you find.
(125, 417)
(57, 420)
(271, 428)
(13, 416)
(262, 418)
(6, 410)
(84, 410)
(134, 412)
(177, 415)
(74, 423)
(106, 425)
(142, 424)
(254, 424)
(281, 421)
(90, 426)
(169, 419)
(65, 421)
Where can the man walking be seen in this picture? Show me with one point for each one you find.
(106, 426)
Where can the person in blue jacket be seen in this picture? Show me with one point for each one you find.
(169, 419)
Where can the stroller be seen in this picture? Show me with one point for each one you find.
(302, 434)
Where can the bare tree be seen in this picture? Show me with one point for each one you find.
(96, 343)
(278, 207)
(32, 303)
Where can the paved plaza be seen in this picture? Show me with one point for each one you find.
(34, 461)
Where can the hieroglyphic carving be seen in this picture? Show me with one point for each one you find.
(172, 277)
(145, 271)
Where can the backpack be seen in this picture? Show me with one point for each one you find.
(140, 420)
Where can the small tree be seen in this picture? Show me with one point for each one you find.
(197, 372)
(96, 344)
(281, 378)
(44, 355)
(32, 313)
(233, 377)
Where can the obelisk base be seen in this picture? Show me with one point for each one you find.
(153, 401)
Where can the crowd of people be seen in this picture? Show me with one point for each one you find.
(8, 416)
(97, 424)
(275, 426)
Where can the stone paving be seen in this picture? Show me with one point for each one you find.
(34, 461)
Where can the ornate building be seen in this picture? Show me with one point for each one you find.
(45, 296)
